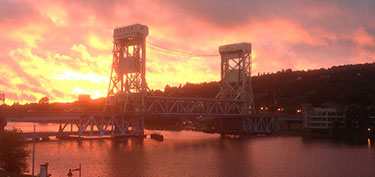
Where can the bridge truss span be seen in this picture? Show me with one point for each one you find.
(127, 103)
(111, 125)
(172, 106)
(261, 124)
(243, 126)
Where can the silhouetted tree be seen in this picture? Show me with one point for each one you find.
(44, 100)
(13, 153)
(3, 123)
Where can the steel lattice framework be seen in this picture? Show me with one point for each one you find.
(104, 125)
(127, 86)
(261, 125)
(236, 74)
(231, 112)
(112, 125)
(243, 125)
(169, 106)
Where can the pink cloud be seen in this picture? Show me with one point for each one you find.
(41, 41)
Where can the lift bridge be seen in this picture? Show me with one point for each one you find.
(128, 102)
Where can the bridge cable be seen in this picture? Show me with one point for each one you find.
(168, 52)
(177, 52)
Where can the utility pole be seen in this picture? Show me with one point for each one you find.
(70, 174)
(33, 158)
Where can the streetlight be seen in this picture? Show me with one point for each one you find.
(70, 174)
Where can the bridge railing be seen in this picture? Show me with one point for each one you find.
(172, 106)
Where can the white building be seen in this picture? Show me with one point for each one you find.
(323, 117)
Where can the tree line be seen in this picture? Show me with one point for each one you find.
(344, 85)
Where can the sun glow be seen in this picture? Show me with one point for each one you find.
(93, 93)
(97, 43)
(75, 76)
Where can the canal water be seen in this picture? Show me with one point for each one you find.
(188, 153)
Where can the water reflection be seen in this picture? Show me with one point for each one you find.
(186, 153)
(233, 158)
(126, 157)
(370, 144)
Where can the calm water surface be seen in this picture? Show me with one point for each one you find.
(187, 153)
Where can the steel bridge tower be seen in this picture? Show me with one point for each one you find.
(236, 75)
(127, 86)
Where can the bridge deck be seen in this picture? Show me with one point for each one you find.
(65, 117)
(38, 135)
(55, 117)
(29, 135)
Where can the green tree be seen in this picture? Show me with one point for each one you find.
(13, 153)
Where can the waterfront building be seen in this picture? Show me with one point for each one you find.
(323, 117)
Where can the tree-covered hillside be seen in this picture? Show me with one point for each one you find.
(342, 85)
(346, 85)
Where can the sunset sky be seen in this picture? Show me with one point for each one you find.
(63, 48)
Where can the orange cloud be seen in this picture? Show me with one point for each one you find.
(363, 38)
(63, 48)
